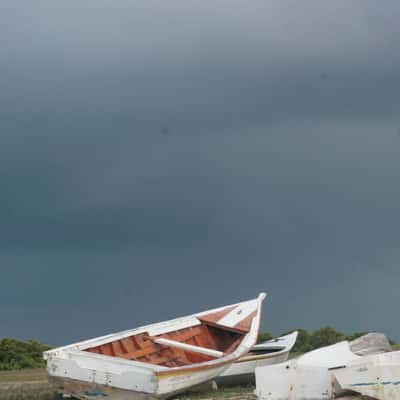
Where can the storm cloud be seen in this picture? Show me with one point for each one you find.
(158, 158)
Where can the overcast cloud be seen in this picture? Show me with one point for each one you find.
(158, 158)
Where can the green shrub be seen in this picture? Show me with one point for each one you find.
(307, 341)
(18, 354)
(264, 336)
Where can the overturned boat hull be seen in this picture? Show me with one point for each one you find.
(376, 376)
(158, 360)
(305, 378)
(312, 376)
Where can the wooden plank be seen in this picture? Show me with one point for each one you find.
(189, 347)
(183, 336)
(95, 350)
(128, 345)
(106, 349)
(144, 352)
(116, 347)
(148, 349)
(159, 360)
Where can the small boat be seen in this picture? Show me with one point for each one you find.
(267, 353)
(158, 360)
(310, 376)
(307, 377)
(376, 376)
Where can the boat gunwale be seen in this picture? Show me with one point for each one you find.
(98, 341)
(291, 339)
(262, 356)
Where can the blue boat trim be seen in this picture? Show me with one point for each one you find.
(363, 384)
(375, 383)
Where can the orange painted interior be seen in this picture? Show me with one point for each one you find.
(142, 348)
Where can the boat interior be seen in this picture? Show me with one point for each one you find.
(200, 343)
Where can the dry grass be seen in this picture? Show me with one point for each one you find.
(230, 393)
(23, 375)
(25, 385)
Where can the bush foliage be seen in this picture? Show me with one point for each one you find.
(311, 340)
(16, 354)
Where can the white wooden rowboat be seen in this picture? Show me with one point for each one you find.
(158, 360)
(267, 353)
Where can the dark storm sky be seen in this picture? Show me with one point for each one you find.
(161, 157)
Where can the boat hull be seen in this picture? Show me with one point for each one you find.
(87, 383)
(173, 385)
(375, 376)
(242, 372)
(271, 352)
(306, 378)
(90, 390)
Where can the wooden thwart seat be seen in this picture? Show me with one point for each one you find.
(188, 347)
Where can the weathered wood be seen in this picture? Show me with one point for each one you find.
(189, 347)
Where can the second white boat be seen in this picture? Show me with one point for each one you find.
(267, 353)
